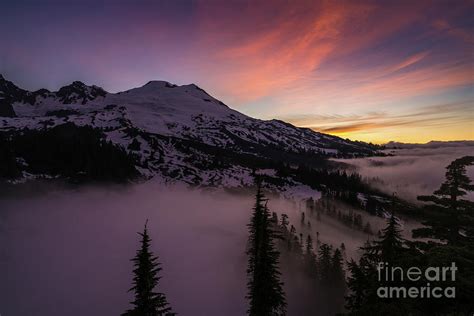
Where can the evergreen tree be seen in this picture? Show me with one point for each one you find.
(284, 221)
(324, 262)
(309, 245)
(310, 258)
(265, 290)
(336, 266)
(343, 249)
(293, 230)
(449, 213)
(450, 219)
(362, 281)
(337, 287)
(291, 237)
(390, 244)
(147, 302)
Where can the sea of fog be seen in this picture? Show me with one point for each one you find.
(411, 172)
(67, 251)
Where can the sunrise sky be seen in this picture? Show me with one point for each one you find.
(367, 70)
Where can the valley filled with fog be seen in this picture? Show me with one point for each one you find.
(411, 171)
(67, 251)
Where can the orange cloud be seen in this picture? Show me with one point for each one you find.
(288, 50)
(436, 116)
(294, 42)
(284, 54)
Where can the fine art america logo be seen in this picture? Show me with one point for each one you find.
(431, 278)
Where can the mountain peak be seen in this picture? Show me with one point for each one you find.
(159, 84)
(78, 84)
(9, 88)
(79, 92)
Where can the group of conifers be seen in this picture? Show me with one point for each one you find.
(450, 220)
(265, 290)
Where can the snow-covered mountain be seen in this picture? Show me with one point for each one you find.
(178, 132)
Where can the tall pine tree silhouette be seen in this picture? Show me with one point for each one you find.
(265, 290)
(147, 302)
(324, 264)
(363, 280)
(450, 214)
(390, 245)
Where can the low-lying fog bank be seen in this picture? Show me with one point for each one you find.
(411, 172)
(67, 252)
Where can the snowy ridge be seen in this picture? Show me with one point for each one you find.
(174, 131)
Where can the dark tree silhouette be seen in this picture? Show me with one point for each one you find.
(147, 302)
(310, 260)
(324, 264)
(449, 218)
(390, 244)
(265, 290)
(337, 269)
(449, 213)
(284, 221)
(362, 282)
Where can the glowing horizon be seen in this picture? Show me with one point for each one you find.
(365, 70)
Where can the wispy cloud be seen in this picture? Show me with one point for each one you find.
(436, 115)
(411, 60)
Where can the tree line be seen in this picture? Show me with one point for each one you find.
(450, 227)
(67, 150)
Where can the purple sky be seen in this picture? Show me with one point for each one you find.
(375, 71)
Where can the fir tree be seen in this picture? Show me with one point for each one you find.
(449, 213)
(284, 221)
(310, 258)
(362, 281)
(147, 302)
(293, 230)
(324, 262)
(309, 245)
(291, 237)
(336, 266)
(265, 290)
(390, 244)
(337, 288)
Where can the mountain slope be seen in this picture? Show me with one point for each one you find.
(177, 132)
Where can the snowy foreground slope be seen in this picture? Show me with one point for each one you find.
(176, 132)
